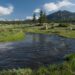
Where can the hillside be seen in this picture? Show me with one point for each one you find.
(61, 16)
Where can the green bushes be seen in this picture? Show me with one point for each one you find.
(70, 57)
(62, 25)
(42, 71)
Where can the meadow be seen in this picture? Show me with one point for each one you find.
(10, 33)
(66, 30)
(14, 32)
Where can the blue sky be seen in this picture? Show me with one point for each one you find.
(20, 9)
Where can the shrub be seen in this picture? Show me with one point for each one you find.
(62, 25)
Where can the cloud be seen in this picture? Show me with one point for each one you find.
(2, 19)
(37, 17)
(31, 17)
(37, 10)
(52, 6)
(6, 10)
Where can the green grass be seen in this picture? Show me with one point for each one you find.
(68, 34)
(60, 31)
(16, 72)
(13, 32)
(11, 36)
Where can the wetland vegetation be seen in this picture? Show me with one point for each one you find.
(13, 32)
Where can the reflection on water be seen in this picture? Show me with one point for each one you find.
(35, 50)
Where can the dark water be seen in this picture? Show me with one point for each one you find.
(35, 50)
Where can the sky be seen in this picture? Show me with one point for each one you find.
(24, 9)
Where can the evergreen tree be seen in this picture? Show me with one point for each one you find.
(34, 18)
(42, 18)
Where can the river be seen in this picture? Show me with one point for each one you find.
(35, 50)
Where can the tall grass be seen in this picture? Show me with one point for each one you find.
(11, 36)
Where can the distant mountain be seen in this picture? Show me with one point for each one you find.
(61, 16)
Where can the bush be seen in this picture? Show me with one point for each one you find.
(62, 25)
(70, 57)
(42, 71)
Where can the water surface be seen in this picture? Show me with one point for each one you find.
(35, 50)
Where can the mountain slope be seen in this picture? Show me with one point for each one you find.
(61, 15)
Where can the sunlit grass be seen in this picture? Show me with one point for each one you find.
(11, 36)
(60, 31)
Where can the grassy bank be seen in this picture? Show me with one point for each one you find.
(56, 30)
(11, 36)
(68, 34)
(66, 68)
(10, 32)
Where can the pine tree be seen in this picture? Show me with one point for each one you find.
(34, 18)
(42, 18)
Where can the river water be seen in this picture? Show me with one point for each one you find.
(35, 50)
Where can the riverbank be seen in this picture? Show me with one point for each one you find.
(13, 32)
(60, 31)
(7, 36)
(66, 68)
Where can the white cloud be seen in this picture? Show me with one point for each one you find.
(31, 17)
(2, 19)
(37, 10)
(37, 17)
(52, 6)
(6, 10)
